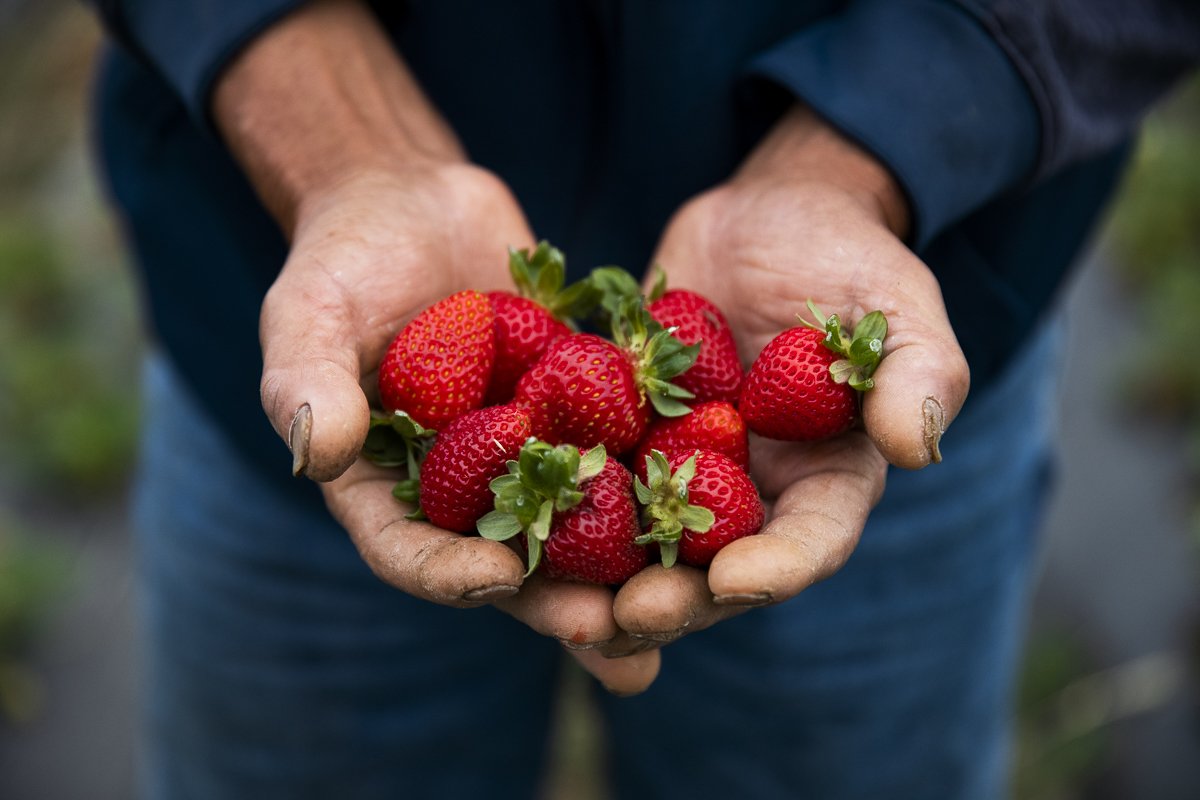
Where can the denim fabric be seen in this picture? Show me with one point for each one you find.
(278, 666)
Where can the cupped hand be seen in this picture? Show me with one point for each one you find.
(809, 216)
(366, 257)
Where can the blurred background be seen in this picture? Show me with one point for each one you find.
(1109, 703)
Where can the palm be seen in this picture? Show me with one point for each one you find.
(760, 250)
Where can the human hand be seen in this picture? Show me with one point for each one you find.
(385, 217)
(809, 215)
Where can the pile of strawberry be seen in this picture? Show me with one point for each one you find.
(510, 422)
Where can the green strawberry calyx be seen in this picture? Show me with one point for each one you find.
(543, 479)
(666, 512)
(860, 351)
(398, 440)
(657, 356)
(540, 275)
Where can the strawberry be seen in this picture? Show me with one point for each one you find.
(438, 367)
(577, 513)
(715, 426)
(524, 329)
(468, 454)
(587, 391)
(692, 318)
(695, 504)
(717, 373)
(804, 384)
(528, 322)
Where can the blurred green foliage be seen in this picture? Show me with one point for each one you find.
(68, 413)
(1054, 758)
(69, 335)
(1155, 234)
(32, 574)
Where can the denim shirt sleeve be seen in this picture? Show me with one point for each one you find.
(924, 87)
(188, 44)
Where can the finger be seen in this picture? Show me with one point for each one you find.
(659, 605)
(310, 382)
(922, 381)
(416, 557)
(579, 615)
(814, 526)
(621, 676)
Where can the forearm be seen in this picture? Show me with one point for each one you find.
(319, 98)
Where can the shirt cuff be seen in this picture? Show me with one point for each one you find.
(189, 44)
(922, 86)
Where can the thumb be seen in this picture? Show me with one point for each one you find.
(310, 382)
(920, 384)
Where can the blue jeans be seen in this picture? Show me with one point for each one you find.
(279, 666)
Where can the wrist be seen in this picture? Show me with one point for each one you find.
(803, 147)
(320, 100)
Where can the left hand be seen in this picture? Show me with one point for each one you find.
(809, 215)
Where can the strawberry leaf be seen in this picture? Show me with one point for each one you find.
(615, 287)
(535, 554)
(666, 511)
(498, 526)
(591, 464)
(697, 518)
(668, 406)
(842, 370)
(872, 326)
(540, 529)
(644, 495)
(660, 284)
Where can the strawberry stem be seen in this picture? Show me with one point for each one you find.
(542, 481)
(540, 276)
(665, 506)
(861, 350)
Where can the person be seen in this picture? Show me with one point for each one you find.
(308, 176)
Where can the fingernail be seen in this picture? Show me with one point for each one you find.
(935, 426)
(640, 647)
(661, 636)
(570, 645)
(299, 436)
(487, 594)
(616, 693)
(748, 599)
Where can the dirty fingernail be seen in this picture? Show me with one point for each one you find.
(747, 599)
(661, 636)
(935, 426)
(617, 693)
(488, 594)
(570, 645)
(299, 436)
(640, 647)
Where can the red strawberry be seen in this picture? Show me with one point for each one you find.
(528, 322)
(695, 504)
(468, 454)
(590, 391)
(594, 542)
(802, 387)
(715, 426)
(577, 513)
(585, 391)
(524, 329)
(438, 367)
(717, 373)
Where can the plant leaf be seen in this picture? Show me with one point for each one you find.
(498, 526)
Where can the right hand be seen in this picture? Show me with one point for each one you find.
(385, 217)
(365, 259)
